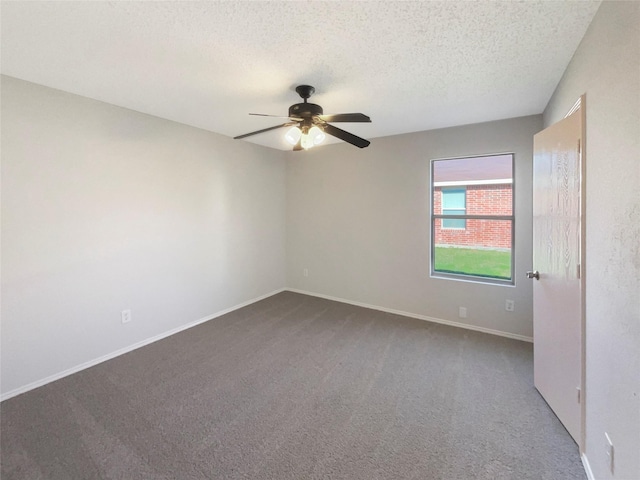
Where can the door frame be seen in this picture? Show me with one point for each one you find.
(581, 104)
(583, 270)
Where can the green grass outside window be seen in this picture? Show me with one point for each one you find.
(470, 261)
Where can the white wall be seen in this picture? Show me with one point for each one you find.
(606, 67)
(105, 209)
(358, 220)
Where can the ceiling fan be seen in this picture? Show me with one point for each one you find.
(309, 125)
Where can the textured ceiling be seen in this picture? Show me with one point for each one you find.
(410, 66)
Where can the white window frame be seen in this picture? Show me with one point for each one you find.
(434, 216)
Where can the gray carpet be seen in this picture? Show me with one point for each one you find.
(296, 387)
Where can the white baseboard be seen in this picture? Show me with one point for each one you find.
(109, 356)
(500, 333)
(587, 467)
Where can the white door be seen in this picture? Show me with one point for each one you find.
(557, 301)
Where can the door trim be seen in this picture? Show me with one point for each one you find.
(582, 104)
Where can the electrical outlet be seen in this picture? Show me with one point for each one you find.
(126, 316)
(509, 305)
(462, 312)
(609, 450)
(305, 272)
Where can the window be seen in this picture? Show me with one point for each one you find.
(472, 219)
(454, 202)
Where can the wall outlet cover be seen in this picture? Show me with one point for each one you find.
(126, 316)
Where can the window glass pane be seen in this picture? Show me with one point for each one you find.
(453, 198)
(474, 186)
(454, 223)
(454, 201)
(483, 183)
(451, 222)
(481, 249)
(450, 211)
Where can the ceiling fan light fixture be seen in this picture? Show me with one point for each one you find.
(306, 141)
(311, 137)
(317, 135)
(293, 135)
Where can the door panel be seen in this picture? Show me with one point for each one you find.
(557, 294)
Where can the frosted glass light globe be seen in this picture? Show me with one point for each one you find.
(293, 135)
(317, 135)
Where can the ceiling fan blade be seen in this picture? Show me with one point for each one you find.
(346, 136)
(288, 124)
(275, 116)
(345, 117)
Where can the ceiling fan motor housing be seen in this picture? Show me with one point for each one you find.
(304, 110)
